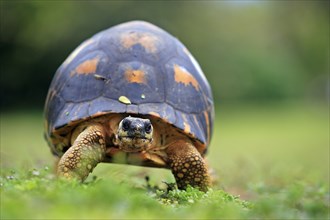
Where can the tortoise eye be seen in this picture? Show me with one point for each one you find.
(126, 124)
(147, 127)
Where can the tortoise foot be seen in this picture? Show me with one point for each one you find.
(188, 166)
(82, 157)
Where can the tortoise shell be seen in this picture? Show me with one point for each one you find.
(134, 68)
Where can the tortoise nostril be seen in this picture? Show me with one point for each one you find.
(138, 128)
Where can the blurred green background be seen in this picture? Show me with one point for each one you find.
(267, 63)
(249, 50)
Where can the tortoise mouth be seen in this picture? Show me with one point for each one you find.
(130, 149)
(133, 143)
(134, 137)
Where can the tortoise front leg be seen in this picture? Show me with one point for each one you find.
(188, 166)
(86, 152)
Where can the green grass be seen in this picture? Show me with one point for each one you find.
(269, 162)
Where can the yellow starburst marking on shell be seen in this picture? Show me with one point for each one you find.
(147, 40)
(77, 51)
(181, 75)
(135, 76)
(86, 67)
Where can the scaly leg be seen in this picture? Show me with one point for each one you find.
(188, 166)
(86, 152)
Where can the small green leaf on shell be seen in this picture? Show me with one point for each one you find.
(143, 96)
(125, 100)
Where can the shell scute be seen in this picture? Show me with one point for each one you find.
(105, 105)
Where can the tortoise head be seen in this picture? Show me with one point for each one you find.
(134, 134)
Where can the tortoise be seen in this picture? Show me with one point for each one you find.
(134, 92)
